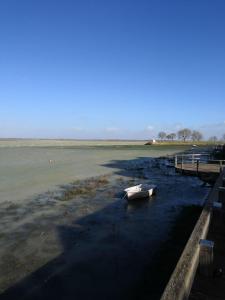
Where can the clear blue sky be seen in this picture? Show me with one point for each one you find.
(111, 69)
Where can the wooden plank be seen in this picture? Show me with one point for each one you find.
(211, 168)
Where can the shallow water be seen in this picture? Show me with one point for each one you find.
(25, 171)
(94, 244)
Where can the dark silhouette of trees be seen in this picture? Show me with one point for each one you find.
(196, 135)
(171, 136)
(162, 135)
(184, 134)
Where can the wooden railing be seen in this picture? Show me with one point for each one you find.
(180, 283)
(195, 161)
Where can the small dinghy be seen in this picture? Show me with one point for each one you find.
(135, 188)
(139, 192)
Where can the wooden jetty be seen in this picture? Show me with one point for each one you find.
(210, 229)
(211, 286)
(195, 169)
(200, 165)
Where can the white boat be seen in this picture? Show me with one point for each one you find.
(135, 188)
(142, 193)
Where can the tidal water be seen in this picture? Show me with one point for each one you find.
(26, 171)
(92, 243)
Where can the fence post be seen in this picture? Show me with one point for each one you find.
(175, 161)
(197, 165)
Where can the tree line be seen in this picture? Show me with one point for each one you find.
(182, 134)
(186, 134)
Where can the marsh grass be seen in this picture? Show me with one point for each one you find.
(12, 206)
(87, 187)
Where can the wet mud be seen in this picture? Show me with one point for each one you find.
(85, 241)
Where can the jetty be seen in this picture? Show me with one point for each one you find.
(200, 271)
(199, 164)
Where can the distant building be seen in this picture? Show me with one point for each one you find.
(151, 142)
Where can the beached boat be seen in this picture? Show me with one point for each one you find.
(135, 188)
(140, 193)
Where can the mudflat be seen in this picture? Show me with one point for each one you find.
(81, 237)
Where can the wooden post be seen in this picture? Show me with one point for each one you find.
(221, 166)
(206, 257)
(176, 161)
(197, 165)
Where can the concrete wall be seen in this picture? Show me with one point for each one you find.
(180, 283)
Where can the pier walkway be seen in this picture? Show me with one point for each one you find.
(200, 165)
(190, 279)
(212, 287)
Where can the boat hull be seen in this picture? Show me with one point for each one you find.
(131, 195)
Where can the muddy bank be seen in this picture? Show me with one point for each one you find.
(84, 239)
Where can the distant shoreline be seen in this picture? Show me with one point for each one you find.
(62, 139)
(66, 142)
(32, 142)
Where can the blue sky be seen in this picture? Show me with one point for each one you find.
(111, 69)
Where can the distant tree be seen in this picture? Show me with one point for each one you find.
(171, 136)
(184, 134)
(213, 139)
(223, 137)
(196, 135)
(162, 135)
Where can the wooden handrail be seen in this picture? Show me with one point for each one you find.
(194, 158)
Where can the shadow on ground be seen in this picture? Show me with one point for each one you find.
(107, 252)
